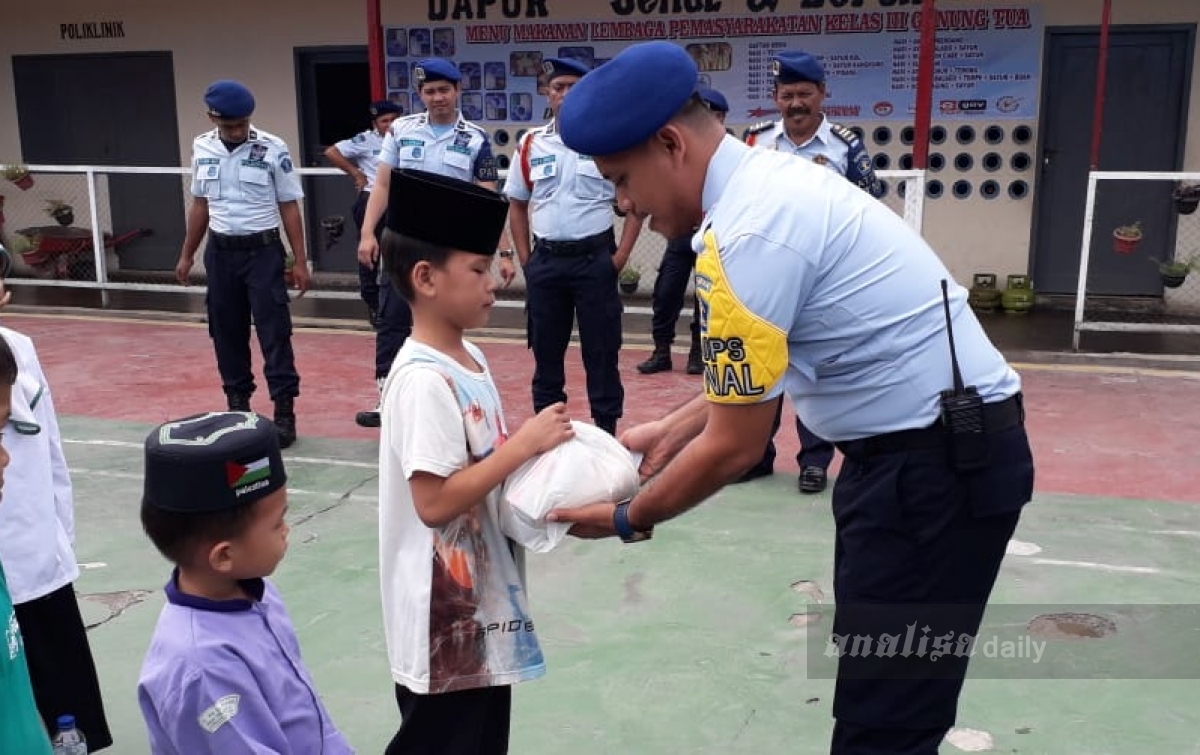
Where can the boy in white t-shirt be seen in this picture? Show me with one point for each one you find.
(457, 625)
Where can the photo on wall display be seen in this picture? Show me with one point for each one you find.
(711, 56)
(419, 43)
(494, 75)
(585, 55)
(472, 76)
(397, 75)
(443, 42)
(403, 100)
(522, 63)
(397, 42)
(495, 106)
(472, 106)
(520, 106)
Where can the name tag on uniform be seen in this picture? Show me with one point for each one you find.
(543, 167)
(456, 159)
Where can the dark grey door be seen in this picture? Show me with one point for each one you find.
(111, 109)
(1145, 111)
(334, 93)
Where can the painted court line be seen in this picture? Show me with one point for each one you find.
(1097, 566)
(288, 459)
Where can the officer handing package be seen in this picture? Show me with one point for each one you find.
(243, 187)
(853, 327)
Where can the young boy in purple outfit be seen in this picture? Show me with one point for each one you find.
(223, 673)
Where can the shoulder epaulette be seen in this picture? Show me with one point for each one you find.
(842, 132)
(760, 127)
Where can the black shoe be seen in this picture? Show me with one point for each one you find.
(812, 480)
(285, 421)
(659, 361)
(373, 318)
(367, 419)
(695, 364)
(754, 472)
(238, 402)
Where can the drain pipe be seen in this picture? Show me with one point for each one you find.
(375, 48)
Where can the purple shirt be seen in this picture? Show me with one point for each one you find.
(226, 676)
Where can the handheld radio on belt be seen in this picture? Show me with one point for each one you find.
(962, 412)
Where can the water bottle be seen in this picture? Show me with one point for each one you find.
(69, 740)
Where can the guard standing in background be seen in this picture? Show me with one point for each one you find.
(558, 197)
(357, 157)
(243, 187)
(439, 141)
(671, 285)
(804, 130)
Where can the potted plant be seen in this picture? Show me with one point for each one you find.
(19, 175)
(629, 278)
(1174, 272)
(1186, 198)
(63, 213)
(1126, 237)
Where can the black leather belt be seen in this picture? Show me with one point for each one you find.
(997, 417)
(243, 243)
(603, 242)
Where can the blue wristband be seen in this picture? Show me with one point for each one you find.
(621, 523)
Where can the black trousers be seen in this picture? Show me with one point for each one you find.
(815, 451)
(61, 669)
(245, 285)
(916, 543)
(561, 290)
(395, 325)
(468, 722)
(368, 275)
(669, 289)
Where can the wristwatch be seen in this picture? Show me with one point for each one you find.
(626, 531)
(507, 254)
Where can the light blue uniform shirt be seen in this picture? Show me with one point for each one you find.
(568, 197)
(363, 151)
(845, 153)
(462, 151)
(796, 261)
(243, 187)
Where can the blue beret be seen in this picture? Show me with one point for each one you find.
(714, 99)
(446, 212)
(436, 69)
(623, 102)
(228, 99)
(384, 107)
(554, 67)
(212, 462)
(792, 66)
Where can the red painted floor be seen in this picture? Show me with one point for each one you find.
(1124, 434)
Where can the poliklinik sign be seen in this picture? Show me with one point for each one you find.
(92, 30)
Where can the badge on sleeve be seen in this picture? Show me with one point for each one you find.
(864, 163)
(209, 172)
(221, 713)
(285, 163)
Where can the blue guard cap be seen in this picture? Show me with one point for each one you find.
(384, 107)
(212, 462)
(229, 99)
(555, 67)
(714, 99)
(436, 69)
(623, 102)
(794, 66)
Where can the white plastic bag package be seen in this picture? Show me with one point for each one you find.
(590, 468)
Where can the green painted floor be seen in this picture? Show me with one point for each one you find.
(683, 644)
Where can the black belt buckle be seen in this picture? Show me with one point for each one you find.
(249, 241)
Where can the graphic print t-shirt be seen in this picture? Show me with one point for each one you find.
(454, 605)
